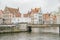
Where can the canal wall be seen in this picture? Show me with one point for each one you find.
(46, 29)
(23, 27)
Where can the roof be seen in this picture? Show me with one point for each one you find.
(18, 15)
(1, 12)
(25, 15)
(35, 10)
(14, 11)
(46, 16)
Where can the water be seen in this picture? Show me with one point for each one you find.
(28, 36)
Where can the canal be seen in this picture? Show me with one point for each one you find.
(29, 36)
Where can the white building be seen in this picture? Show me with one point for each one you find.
(53, 18)
(16, 20)
(40, 18)
(58, 19)
(36, 16)
(26, 18)
(57, 16)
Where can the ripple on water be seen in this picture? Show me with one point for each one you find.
(28, 36)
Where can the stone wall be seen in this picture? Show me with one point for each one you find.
(47, 29)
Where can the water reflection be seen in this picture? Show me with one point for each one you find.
(28, 36)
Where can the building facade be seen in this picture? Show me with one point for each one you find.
(53, 18)
(46, 18)
(26, 18)
(50, 18)
(36, 16)
(58, 16)
(40, 18)
(1, 15)
(10, 14)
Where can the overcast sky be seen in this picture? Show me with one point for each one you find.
(25, 5)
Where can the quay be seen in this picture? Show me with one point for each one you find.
(45, 28)
(43, 25)
(51, 28)
(8, 28)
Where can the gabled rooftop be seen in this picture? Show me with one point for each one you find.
(14, 11)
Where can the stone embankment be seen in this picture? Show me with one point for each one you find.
(50, 28)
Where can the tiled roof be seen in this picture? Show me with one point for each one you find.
(14, 11)
(35, 10)
(1, 12)
(46, 16)
(18, 15)
(25, 15)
